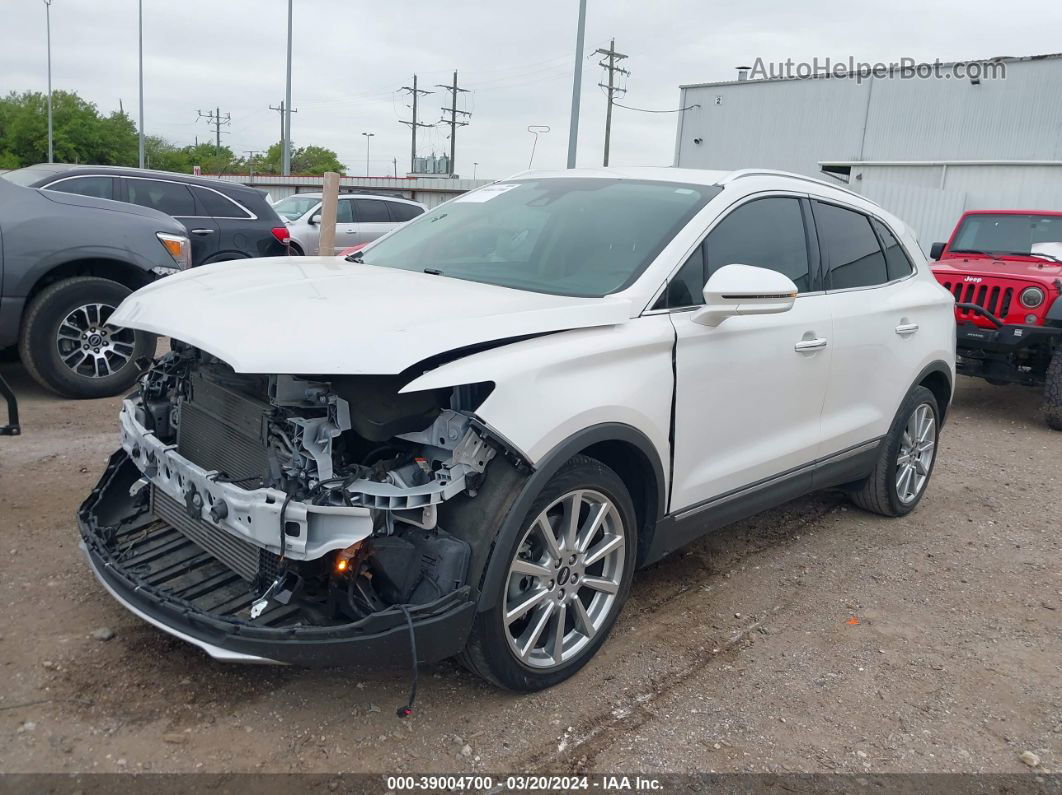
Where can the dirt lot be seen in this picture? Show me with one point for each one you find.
(810, 638)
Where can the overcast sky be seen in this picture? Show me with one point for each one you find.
(516, 59)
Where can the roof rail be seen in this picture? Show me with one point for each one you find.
(741, 173)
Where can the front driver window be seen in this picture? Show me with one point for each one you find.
(766, 233)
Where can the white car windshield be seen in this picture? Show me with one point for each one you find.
(574, 236)
(296, 206)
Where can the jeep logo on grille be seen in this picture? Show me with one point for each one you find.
(973, 278)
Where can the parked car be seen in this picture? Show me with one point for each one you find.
(225, 220)
(475, 434)
(360, 218)
(66, 263)
(1004, 268)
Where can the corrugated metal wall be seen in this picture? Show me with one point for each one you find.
(795, 125)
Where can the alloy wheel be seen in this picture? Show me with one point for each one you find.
(89, 346)
(564, 580)
(917, 448)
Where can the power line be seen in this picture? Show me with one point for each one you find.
(613, 70)
(452, 121)
(648, 110)
(414, 124)
(215, 120)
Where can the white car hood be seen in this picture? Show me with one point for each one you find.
(323, 315)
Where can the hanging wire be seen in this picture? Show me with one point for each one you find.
(649, 110)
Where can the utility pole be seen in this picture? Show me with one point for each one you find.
(140, 27)
(613, 89)
(215, 120)
(413, 125)
(577, 81)
(475, 167)
(48, 23)
(395, 161)
(281, 108)
(250, 163)
(285, 114)
(368, 140)
(452, 121)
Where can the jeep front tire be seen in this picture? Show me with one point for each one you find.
(1052, 407)
(68, 346)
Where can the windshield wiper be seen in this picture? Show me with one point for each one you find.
(994, 254)
(1051, 257)
(433, 271)
(354, 256)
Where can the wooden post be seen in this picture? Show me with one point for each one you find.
(329, 204)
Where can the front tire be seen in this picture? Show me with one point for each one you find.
(569, 573)
(906, 458)
(67, 345)
(1052, 407)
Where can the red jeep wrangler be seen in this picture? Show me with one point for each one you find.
(1004, 268)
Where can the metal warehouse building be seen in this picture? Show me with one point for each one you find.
(924, 148)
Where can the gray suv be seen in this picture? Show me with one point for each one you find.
(66, 263)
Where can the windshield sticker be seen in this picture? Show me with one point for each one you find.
(487, 193)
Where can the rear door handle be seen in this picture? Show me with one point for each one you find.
(906, 328)
(202, 231)
(806, 346)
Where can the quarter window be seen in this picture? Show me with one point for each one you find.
(215, 205)
(100, 187)
(896, 261)
(400, 213)
(171, 198)
(851, 248)
(370, 211)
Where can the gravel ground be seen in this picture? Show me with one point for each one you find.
(814, 637)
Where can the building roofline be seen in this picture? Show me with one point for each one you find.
(826, 76)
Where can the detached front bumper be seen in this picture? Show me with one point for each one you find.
(161, 574)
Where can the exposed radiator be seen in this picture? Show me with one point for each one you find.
(223, 429)
(241, 556)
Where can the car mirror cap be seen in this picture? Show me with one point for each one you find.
(745, 290)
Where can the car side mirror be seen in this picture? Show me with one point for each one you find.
(936, 250)
(744, 290)
(315, 219)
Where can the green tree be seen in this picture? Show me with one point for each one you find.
(304, 160)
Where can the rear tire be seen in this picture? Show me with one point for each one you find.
(906, 459)
(1052, 407)
(67, 345)
(572, 598)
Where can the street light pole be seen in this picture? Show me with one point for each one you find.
(368, 138)
(577, 79)
(286, 143)
(48, 23)
(475, 167)
(140, 13)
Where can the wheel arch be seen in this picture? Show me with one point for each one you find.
(132, 276)
(936, 377)
(622, 448)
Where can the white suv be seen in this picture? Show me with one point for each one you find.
(465, 440)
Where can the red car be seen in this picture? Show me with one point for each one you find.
(1004, 268)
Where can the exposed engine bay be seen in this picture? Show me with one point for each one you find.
(313, 500)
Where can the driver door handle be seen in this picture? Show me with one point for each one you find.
(202, 231)
(806, 346)
(906, 328)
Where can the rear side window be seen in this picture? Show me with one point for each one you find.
(369, 211)
(896, 262)
(100, 187)
(215, 205)
(851, 248)
(400, 213)
(171, 198)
